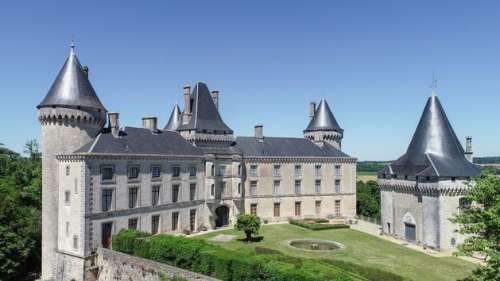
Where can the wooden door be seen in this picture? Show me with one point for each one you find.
(107, 229)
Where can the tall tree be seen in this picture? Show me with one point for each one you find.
(368, 199)
(480, 222)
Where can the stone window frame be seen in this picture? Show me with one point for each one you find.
(338, 170)
(297, 208)
(317, 185)
(68, 170)
(276, 170)
(175, 222)
(318, 170)
(158, 227)
(176, 171)
(276, 209)
(276, 187)
(297, 170)
(191, 169)
(297, 187)
(133, 168)
(75, 242)
(254, 185)
(158, 201)
(317, 207)
(111, 201)
(155, 177)
(67, 197)
(212, 189)
(176, 186)
(222, 171)
(253, 208)
(239, 188)
(337, 185)
(137, 197)
(113, 173)
(136, 219)
(192, 194)
(254, 170)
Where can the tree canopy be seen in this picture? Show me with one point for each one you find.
(248, 223)
(480, 222)
(20, 217)
(368, 199)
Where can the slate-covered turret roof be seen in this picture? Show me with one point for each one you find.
(434, 149)
(205, 116)
(175, 119)
(323, 119)
(72, 87)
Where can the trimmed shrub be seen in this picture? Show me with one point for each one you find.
(126, 240)
(317, 226)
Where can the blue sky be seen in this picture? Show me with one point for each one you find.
(372, 60)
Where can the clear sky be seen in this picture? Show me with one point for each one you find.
(372, 60)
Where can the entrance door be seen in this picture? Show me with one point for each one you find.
(106, 234)
(410, 233)
(222, 214)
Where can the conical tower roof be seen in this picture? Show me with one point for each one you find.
(434, 148)
(205, 116)
(323, 119)
(175, 119)
(72, 87)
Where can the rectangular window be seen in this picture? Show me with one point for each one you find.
(337, 186)
(297, 209)
(175, 220)
(132, 223)
(239, 188)
(253, 209)
(276, 187)
(192, 220)
(67, 170)
(155, 195)
(107, 173)
(75, 242)
(298, 170)
(133, 172)
(192, 171)
(212, 189)
(155, 224)
(276, 209)
(318, 207)
(155, 171)
(222, 170)
(239, 169)
(175, 193)
(67, 197)
(132, 197)
(253, 187)
(176, 171)
(338, 171)
(298, 186)
(223, 188)
(337, 208)
(277, 170)
(317, 186)
(253, 170)
(317, 170)
(192, 191)
(107, 196)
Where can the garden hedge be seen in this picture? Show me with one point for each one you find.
(316, 226)
(248, 264)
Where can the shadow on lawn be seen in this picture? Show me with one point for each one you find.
(254, 239)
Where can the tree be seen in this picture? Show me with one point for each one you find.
(480, 222)
(20, 219)
(368, 199)
(248, 223)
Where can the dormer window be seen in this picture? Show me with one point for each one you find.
(133, 172)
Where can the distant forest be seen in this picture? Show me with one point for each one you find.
(371, 166)
(487, 160)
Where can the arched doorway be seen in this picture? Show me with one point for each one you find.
(222, 213)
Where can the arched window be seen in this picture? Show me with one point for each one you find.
(212, 171)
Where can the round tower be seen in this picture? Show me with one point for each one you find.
(71, 116)
(323, 126)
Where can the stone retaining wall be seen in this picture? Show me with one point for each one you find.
(112, 265)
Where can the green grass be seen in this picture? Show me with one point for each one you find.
(360, 248)
(366, 173)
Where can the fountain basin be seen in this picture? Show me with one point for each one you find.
(315, 244)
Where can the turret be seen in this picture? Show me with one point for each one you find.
(71, 116)
(323, 127)
(175, 119)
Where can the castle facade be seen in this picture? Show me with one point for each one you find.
(192, 175)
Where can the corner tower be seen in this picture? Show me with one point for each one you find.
(323, 125)
(70, 115)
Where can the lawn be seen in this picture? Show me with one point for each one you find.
(366, 176)
(360, 248)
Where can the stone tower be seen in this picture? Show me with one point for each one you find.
(71, 115)
(422, 189)
(323, 126)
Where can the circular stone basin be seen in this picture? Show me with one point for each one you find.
(315, 244)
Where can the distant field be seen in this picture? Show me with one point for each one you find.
(366, 176)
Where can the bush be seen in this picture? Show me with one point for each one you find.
(200, 256)
(317, 226)
(248, 223)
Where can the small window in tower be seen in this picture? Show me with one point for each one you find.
(75, 242)
(67, 170)
(67, 197)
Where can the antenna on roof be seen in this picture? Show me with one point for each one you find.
(72, 46)
(434, 84)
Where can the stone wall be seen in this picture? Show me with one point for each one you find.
(112, 265)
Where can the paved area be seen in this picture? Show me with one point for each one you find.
(223, 238)
(375, 230)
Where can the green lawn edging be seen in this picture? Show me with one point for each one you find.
(316, 224)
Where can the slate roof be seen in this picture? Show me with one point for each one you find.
(282, 147)
(72, 88)
(205, 116)
(434, 149)
(175, 119)
(323, 119)
(141, 141)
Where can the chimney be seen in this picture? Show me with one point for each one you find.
(468, 148)
(114, 125)
(312, 109)
(150, 123)
(215, 97)
(259, 132)
(187, 104)
(86, 71)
